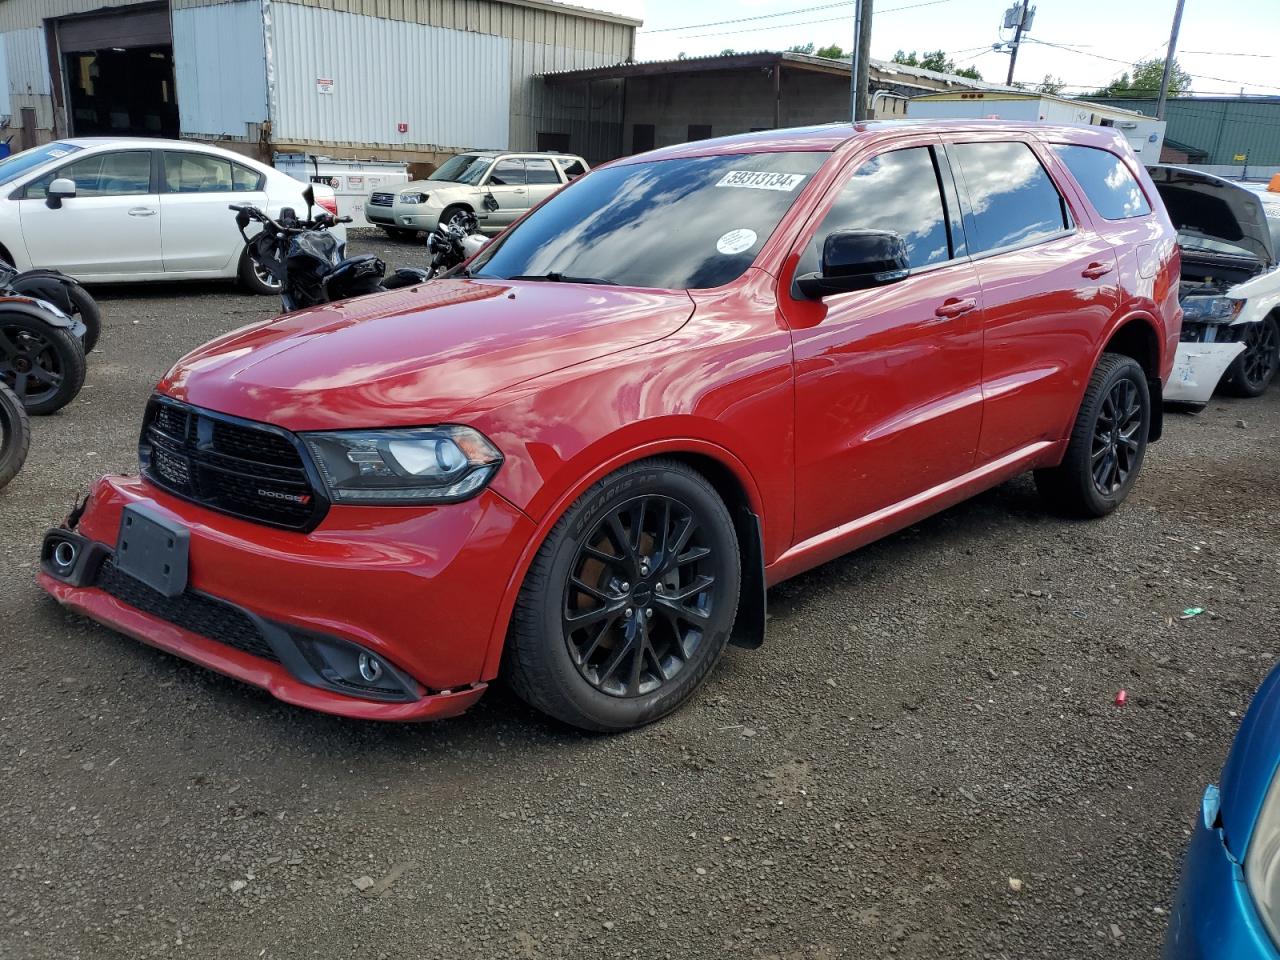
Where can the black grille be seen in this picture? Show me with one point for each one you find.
(191, 611)
(234, 466)
(382, 199)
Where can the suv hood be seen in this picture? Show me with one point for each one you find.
(416, 356)
(1206, 206)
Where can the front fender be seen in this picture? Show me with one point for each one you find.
(47, 285)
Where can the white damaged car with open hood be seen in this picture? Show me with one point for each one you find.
(1230, 290)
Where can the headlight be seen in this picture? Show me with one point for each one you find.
(1262, 862)
(413, 198)
(1211, 309)
(420, 465)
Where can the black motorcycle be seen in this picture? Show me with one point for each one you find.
(41, 352)
(454, 242)
(53, 286)
(15, 435)
(309, 262)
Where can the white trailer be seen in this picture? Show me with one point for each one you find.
(1144, 134)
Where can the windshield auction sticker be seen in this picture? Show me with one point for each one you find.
(736, 241)
(761, 180)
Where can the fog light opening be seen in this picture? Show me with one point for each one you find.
(370, 668)
(64, 555)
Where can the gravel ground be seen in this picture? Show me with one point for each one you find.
(929, 718)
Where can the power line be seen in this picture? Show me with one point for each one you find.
(1099, 56)
(763, 16)
(802, 23)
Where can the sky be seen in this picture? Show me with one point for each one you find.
(1227, 45)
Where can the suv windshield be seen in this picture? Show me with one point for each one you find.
(18, 164)
(688, 223)
(464, 168)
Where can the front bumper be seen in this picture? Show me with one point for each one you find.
(418, 587)
(406, 216)
(1213, 915)
(1197, 370)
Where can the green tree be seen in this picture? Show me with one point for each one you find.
(806, 48)
(833, 52)
(937, 61)
(1145, 81)
(728, 52)
(1051, 85)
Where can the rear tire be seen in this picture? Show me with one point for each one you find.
(15, 435)
(44, 365)
(1108, 442)
(86, 310)
(629, 602)
(255, 279)
(1252, 372)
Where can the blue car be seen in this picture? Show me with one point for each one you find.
(1228, 903)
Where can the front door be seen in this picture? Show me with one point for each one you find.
(507, 185)
(888, 380)
(110, 228)
(198, 233)
(1049, 291)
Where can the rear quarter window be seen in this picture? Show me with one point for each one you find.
(1105, 180)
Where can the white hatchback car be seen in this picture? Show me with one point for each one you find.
(127, 209)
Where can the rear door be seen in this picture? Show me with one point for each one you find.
(888, 397)
(542, 177)
(110, 228)
(1049, 290)
(198, 232)
(507, 183)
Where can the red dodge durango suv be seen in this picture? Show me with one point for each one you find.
(579, 461)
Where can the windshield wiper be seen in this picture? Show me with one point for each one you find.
(562, 278)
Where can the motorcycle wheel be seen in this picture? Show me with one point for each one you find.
(15, 435)
(42, 364)
(256, 279)
(86, 309)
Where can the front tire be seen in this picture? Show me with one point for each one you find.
(15, 435)
(256, 279)
(86, 310)
(629, 602)
(1108, 443)
(1252, 372)
(44, 365)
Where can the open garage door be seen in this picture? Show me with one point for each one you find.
(117, 68)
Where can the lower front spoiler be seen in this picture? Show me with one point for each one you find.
(1197, 369)
(275, 678)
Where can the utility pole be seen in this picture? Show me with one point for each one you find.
(1017, 41)
(1168, 61)
(860, 61)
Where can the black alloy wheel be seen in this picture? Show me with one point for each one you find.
(15, 435)
(42, 364)
(1116, 440)
(641, 592)
(1254, 369)
(630, 600)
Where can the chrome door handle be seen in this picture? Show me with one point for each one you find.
(955, 307)
(142, 212)
(1095, 270)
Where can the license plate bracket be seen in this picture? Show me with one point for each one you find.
(154, 550)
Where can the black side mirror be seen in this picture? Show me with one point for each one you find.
(857, 260)
(242, 219)
(309, 195)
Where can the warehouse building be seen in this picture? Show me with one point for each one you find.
(1230, 136)
(659, 103)
(392, 79)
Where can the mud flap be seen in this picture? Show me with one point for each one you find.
(1155, 390)
(749, 627)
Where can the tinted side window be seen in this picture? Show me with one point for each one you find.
(196, 173)
(1012, 201)
(507, 173)
(1106, 181)
(102, 175)
(895, 191)
(540, 171)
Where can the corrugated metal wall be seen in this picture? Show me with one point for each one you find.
(221, 73)
(1220, 126)
(27, 69)
(385, 72)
